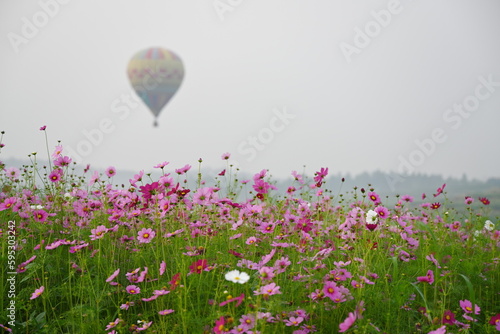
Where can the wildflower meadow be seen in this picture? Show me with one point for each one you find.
(81, 254)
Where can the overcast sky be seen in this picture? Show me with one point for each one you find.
(409, 86)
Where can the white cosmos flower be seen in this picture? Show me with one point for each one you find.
(489, 226)
(237, 277)
(370, 215)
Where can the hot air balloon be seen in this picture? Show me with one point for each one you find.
(155, 74)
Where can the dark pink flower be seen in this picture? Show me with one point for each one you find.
(374, 197)
(440, 190)
(198, 266)
(448, 318)
(219, 325)
(55, 175)
(429, 278)
(40, 215)
(484, 200)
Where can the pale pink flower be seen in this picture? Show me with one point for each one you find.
(37, 292)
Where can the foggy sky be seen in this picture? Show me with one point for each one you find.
(397, 86)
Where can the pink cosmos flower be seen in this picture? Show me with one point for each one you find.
(407, 198)
(219, 325)
(145, 235)
(161, 165)
(56, 175)
(153, 297)
(137, 178)
(62, 161)
(145, 325)
(165, 312)
(43, 128)
(248, 320)
(133, 289)
(113, 275)
(448, 318)
(429, 278)
(57, 151)
(382, 212)
(440, 190)
(331, 290)
(110, 171)
(204, 196)
(183, 170)
(294, 321)
(374, 197)
(163, 267)
(268, 290)
(40, 215)
(238, 300)
(8, 203)
(348, 322)
(12, 173)
(466, 305)
(440, 330)
(266, 273)
(37, 292)
(251, 241)
(225, 156)
(113, 324)
(126, 305)
(495, 320)
(21, 268)
(98, 232)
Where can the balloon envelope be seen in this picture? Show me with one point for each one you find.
(155, 74)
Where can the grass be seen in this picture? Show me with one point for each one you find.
(303, 242)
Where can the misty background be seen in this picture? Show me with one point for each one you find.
(398, 87)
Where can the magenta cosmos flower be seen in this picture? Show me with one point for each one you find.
(429, 278)
(145, 235)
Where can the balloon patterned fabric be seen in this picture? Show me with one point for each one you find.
(155, 74)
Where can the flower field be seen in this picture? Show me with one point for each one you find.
(83, 255)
